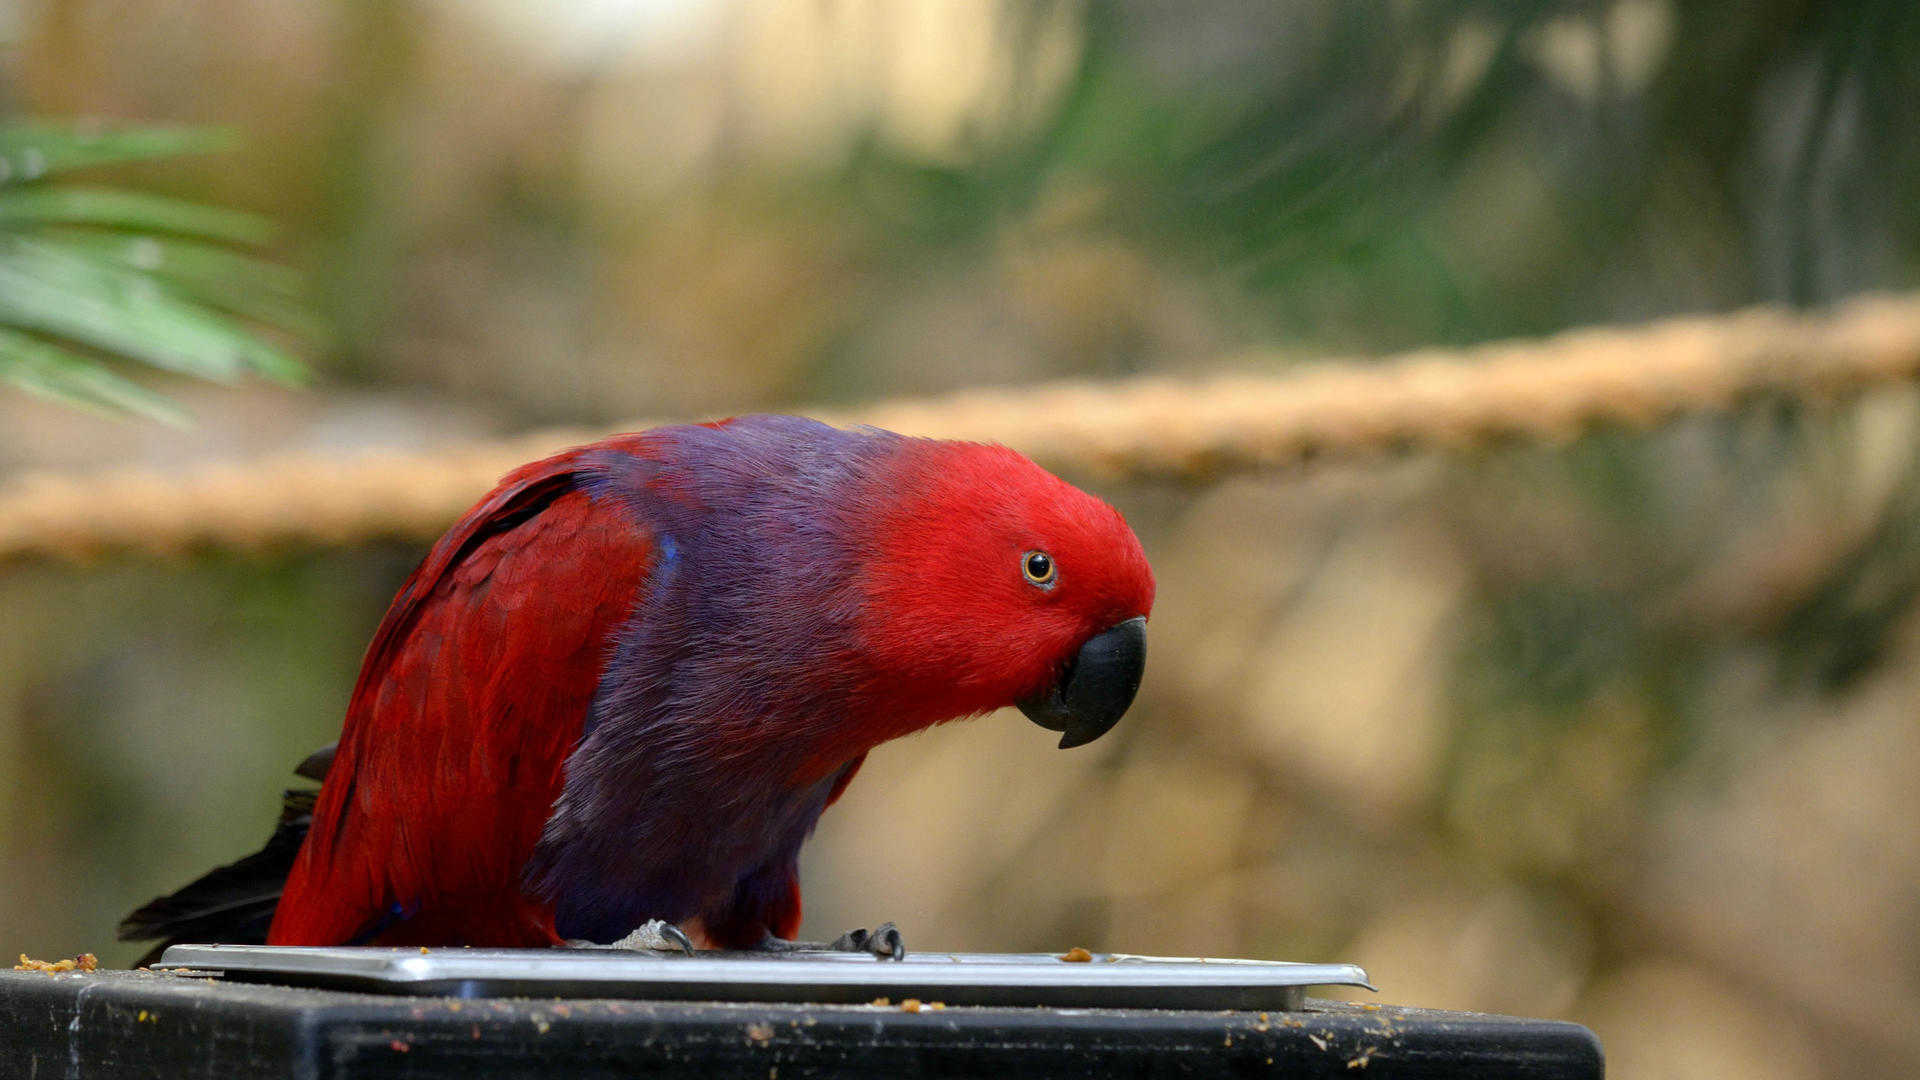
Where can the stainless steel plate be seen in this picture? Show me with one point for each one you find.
(1109, 980)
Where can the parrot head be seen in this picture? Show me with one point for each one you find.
(1000, 584)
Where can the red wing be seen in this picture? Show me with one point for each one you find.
(473, 693)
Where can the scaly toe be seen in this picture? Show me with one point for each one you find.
(654, 935)
(887, 943)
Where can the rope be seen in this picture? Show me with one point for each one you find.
(1157, 428)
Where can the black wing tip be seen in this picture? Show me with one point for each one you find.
(232, 903)
(315, 765)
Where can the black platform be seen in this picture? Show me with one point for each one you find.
(141, 1024)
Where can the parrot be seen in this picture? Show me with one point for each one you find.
(622, 689)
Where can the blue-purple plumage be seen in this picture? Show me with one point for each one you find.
(724, 686)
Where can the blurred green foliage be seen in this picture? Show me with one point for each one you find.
(91, 274)
(1439, 172)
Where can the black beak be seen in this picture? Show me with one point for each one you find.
(1093, 693)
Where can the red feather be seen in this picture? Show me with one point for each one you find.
(474, 691)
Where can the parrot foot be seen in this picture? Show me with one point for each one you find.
(884, 942)
(654, 935)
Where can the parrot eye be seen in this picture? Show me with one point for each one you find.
(1039, 569)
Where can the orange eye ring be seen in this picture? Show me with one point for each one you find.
(1039, 569)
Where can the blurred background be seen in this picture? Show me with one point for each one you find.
(1620, 729)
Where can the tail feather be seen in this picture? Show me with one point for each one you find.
(232, 904)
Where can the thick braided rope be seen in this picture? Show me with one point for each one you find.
(1185, 430)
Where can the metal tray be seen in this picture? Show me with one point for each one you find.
(1109, 980)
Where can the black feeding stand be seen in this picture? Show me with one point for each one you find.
(241, 1011)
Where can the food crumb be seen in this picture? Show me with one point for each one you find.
(1361, 1061)
(399, 1046)
(760, 1033)
(1077, 955)
(883, 1002)
(423, 950)
(83, 962)
(910, 1005)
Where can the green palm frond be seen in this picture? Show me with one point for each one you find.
(32, 151)
(94, 279)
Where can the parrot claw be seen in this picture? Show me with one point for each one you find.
(677, 936)
(654, 935)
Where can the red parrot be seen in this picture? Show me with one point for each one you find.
(626, 684)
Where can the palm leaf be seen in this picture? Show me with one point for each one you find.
(93, 275)
(109, 208)
(48, 289)
(40, 367)
(216, 276)
(31, 152)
